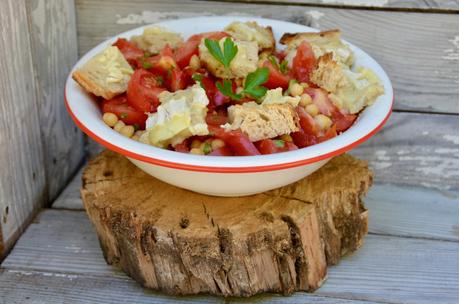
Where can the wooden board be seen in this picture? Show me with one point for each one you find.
(54, 51)
(23, 179)
(60, 251)
(409, 5)
(424, 75)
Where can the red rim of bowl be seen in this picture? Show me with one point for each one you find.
(214, 169)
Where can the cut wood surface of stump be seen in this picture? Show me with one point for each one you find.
(181, 242)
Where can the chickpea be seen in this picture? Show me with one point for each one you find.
(286, 137)
(196, 151)
(127, 131)
(110, 119)
(196, 144)
(296, 89)
(195, 62)
(135, 137)
(312, 109)
(324, 122)
(217, 143)
(305, 100)
(120, 124)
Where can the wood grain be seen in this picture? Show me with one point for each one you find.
(54, 51)
(386, 269)
(424, 75)
(410, 5)
(54, 288)
(23, 180)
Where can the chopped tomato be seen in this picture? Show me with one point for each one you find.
(276, 79)
(307, 122)
(182, 147)
(270, 146)
(216, 98)
(302, 139)
(216, 119)
(344, 122)
(330, 133)
(223, 151)
(304, 62)
(321, 100)
(184, 53)
(120, 107)
(237, 141)
(130, 51)
(143, 91)
(177, 79)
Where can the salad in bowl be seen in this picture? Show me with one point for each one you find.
(229, 100)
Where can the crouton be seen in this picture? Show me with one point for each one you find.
(275, 96)
(263, 121)
(107, 74)
(252, 31)
(154, 39)
(321, 43)
(349, 91)
(243, 63)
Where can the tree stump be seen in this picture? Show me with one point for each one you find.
(181, 242)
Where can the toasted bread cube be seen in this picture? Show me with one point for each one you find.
(107, 74)
(349, 91)
(155, 38)
(252, 31)
(263, 121)
(321, 43)
(243, 63)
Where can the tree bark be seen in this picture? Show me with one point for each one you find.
(181, 242)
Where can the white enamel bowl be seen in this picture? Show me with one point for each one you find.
(226, 176)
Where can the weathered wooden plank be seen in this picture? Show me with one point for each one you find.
(385, 269)
(426, 5)
(416, 150)
(22, 181)
(54, 51)
(425, 75)
(70, 197)
(17, 286)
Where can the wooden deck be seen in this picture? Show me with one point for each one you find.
(411, 254)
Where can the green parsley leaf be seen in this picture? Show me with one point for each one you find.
(198, 78)
(223, 56)
(254, 81)
(207, 148)
(283, 66)
(279, 143)
(146, 65)
(227, 89)
(123, 115)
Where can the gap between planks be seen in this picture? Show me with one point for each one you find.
(62, 245)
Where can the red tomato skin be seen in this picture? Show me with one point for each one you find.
(268, 146)
(182, 147)
(223, 151)
(129, 50)
(304, 62)
(120, 107)
(307, 122)
(184, 53)
(237, 141)
(344, 122)
(302, 139)
(143, 91)
(276, 79)
(330, 133)
(216, 98)
(216, 119)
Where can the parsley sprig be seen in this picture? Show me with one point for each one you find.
(224, 56)
(252, 87)
(282, 66)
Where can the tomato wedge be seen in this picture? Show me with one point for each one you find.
(143, 91)
(237, 141)
(120, 107)
(270, 146)
(184, 53)
(216, 119)
(307, 122)
(304, 62)
(276, 79)
(223, 151)
(129, 50)
(216, 98)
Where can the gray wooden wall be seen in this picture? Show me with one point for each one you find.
(415, 41)
(40, 147)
